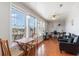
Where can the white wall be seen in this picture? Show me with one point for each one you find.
(53, 25)
(4, 19)
(73, 18)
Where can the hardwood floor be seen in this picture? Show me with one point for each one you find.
(50, 48)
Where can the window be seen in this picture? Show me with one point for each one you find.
(41, 27)
(23, 25)
(17, 24)
(36, 27)
(32, 22)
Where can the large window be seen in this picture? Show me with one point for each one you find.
(23, 25)
(41, 27)
(32, 22)
(17, 24)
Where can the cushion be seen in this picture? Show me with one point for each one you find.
(75, 39)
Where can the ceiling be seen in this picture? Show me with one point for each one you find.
(48, 9)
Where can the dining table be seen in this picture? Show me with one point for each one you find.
(27, 45)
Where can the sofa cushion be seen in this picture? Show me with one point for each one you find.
(75, 39)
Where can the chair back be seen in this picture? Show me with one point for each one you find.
(5, 48)
(1, 50)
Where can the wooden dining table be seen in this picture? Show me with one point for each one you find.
(27, 45)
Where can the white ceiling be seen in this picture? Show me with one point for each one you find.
(47, 9)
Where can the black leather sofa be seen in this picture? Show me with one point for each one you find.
(71, 45)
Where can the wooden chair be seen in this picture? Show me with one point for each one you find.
(5, 48)
(1, 50)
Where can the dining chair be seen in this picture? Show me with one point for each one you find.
(5, 48)
(1, 50)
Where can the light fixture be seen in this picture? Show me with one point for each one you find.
(54, 17)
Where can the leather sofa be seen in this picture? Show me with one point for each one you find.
(71, 45)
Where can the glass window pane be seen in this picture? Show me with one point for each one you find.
(17, 24)
(31, 26)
